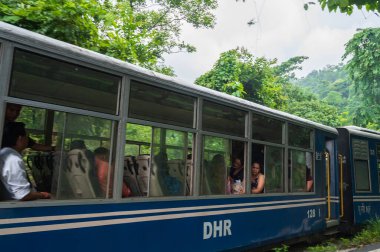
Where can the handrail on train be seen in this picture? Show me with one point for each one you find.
(340, 157)
(327, 158)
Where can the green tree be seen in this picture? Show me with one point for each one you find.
(330, 78)
(315, 110)
(265, 82)
(363, 52)
(224, 76)
(334, 98)
(286, 69)
(347, 6)
(137, 31)
(239, 73)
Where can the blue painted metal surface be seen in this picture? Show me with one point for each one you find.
(203, 224)
(366, 205)
(252, 221)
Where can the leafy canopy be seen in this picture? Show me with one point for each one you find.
(239, 73)
(137, 31)
(347, 6)
(363, 52)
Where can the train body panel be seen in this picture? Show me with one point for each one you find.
(206, 225)
(359, 150)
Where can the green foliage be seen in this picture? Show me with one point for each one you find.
(330, 78)
(239, 73)
(369, 234)
(283, 248)
(331, 85)
(137, 31)
(363, 52)
(225, 74)
(323, 248)
(347, 6)
(315, 110)
(286, 69)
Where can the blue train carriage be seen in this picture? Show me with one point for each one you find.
(359, 152)
(144, 161)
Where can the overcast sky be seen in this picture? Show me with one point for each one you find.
(283, 29)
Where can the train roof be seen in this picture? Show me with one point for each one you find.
(42, 42)
(359, 131)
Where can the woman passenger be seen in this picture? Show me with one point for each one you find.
(257, 179)
(102, 167)
(236, 178)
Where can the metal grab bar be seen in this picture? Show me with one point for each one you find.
(327, 158)
(340, 157)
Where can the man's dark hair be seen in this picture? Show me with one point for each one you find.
(101, 151)
(77, 144)
(12, 130)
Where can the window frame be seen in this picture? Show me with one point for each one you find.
(218, 103)
(311, 150)
(67, 60)
(175, 92)
(368, 167)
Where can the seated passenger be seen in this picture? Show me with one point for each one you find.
(257, 179)
(309, 180)
(237, 170)
(102, 172)
(215, 176)
(170, 186)
(13, 176)
(236, 177)
(12, 112)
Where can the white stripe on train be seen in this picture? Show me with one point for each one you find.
(87, 224)
(148, 211)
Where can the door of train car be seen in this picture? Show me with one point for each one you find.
(360, 161)
(331, 189)
(326, 159)
(345, 178)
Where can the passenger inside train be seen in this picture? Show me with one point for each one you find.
(14, 180)
(257, 178)
(12, 112)
(236, 177)
(214, 178)
(105, 175)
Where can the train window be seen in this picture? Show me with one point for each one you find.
(40, 78)
(84, 165)
(299, 136)
(223, 119)
(274, 171)
(73, 170)
(270, 160)
(160, 105)
(361, 161)
(34, 119)
(267, 129)
(157, 161)
(138, 139)
(301, 170)
(217, 154)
